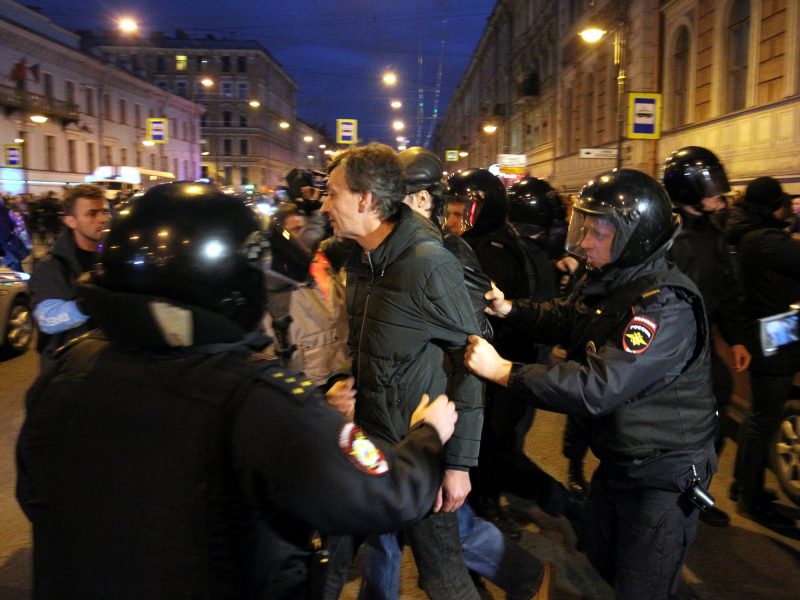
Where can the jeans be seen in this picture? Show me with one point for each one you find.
(485, 550)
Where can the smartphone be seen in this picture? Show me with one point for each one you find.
(778, 330)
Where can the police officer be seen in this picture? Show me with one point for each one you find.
(636, 377)
(162, 457)
(695, 181)
(305, 190)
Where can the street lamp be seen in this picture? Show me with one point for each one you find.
(389, 78)
(489, 128)
(594, 34)
(127, 25)
(308, 139)
(395, 104)
(283, 125)
(39, 119)
(398, 125)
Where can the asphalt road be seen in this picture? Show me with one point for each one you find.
(743, 561)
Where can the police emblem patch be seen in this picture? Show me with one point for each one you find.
(361, 451)
(638, 335)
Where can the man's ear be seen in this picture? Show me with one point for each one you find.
(70, 221)
(365, 202)
(425, 200)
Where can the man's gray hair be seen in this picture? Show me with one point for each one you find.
(374, 168)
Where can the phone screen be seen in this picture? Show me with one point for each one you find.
(778, 330)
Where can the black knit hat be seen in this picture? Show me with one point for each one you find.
(766, 193)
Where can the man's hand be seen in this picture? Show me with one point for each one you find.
(455, 488)
(482, 359)
(441, 414)
(342, 396)
(568, 264)
(741, 358)
(498, 306)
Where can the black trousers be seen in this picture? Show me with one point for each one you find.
(637, 537)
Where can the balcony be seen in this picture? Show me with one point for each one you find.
(12, 99)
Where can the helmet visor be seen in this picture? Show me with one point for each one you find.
(597, 238)
(712, 182)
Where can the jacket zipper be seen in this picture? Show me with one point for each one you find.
(364, 316)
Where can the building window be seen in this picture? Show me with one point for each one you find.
(165, 163)
(50, 152)
(107, 107)
(244, 173)
(244, 148)
(680, 79)
(138, 158)
(204, 172)
(161, 64)
(88, 97)
(226, 118)
(226, 64)
(243, 121)
(47, 85)
(241, 64)
(123, 111)
(90, 157)
(153, 161)
(107, 158)
(228, 175)
(588, 112)
(737, 48)
(181, 62)
(227, 89)
(123, 156)
(201, 63)
(69, 92)
(226, 147)
(137, 115)
(181, 89)
(72, 156)
(162, 84)
(244, 90)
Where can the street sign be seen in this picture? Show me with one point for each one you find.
(597, 153)
(644, 116)
(451, 155)
(13, 156)
(158, 130)
(346, 131)
(512, 160)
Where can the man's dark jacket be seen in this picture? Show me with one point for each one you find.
(151, 471)
(56, 278)
(769, 268)
(407, 307)
(637, 372)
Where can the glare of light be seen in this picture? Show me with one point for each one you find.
(322, 146)
(163, 233)
(463, 154)
(308, 139)
(213, 249)
(206, 82)
(254, 103)
(398, 126)
(592, 34)
(396, 104)
(38, 118)
(127, 25)
(400, 139)
(310, 156)
(328, 152)
(205, 153)
(389, 78)
(489, 128)
(401, 147)
(19, 141)
(283, 125)
(194, 189)
(148, 143)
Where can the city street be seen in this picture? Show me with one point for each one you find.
(743, 561)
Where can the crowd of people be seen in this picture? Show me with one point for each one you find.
(227, 410)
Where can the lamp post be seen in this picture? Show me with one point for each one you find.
(594, 34)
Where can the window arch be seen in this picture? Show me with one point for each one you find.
(737, 37)
(680, 78)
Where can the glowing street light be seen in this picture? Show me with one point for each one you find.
(395, 104)
(322, 146)
(206, 82)
(39, 119)
(463, 154)
(592, 34)
(148, 143)
(401, 147)
(256, 104)
(283, 125)
(308, 139)
(400, 139)
(389, 78)
(19, 141)
(127, 25)
(398, 126)
(489, 128)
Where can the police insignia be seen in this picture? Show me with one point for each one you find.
(361, 451)
(639, 332)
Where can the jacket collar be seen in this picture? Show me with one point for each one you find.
(64, 249)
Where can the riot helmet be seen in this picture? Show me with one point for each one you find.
(626, 209)
(531, 205)
(484, 198)
(693, 173)
(288, 255)
(190, 243)
(422, 170)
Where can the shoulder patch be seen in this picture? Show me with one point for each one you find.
(638, 334)
(361, 451)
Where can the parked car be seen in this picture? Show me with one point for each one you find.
(16, 316)
(786, 447)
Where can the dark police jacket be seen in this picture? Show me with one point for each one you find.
(151, 471)
(407, 308)
(637, 372)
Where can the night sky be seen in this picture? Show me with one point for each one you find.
(336, 50)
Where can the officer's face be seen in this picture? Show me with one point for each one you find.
(454, 217)
(597, 239)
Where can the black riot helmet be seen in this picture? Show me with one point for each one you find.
(485, 199)
(532, 205)
(693, 173)
(190, 243)
(421, 168)
(637, 208)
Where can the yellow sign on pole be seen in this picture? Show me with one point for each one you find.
(158, 130)
(451, 155)
(346, 131)
(13, 156)
(644, 116)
